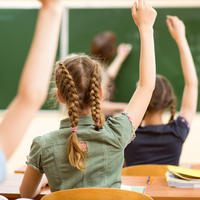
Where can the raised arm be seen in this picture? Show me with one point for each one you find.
(123, 51)
(189, 100)
(35, 78)
(144, 17)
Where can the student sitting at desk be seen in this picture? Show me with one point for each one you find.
(156, 142)
(87, 151)
(33, 87)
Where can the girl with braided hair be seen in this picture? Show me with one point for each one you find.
(88, 151)
(159, 143)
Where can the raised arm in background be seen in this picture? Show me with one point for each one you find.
(189, 100)
(33, 87)
(123, 51)
(144, 17)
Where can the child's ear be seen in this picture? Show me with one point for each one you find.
(59, 97)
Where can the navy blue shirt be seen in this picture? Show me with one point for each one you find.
(158, 144)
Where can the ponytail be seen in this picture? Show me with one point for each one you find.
(76, 152)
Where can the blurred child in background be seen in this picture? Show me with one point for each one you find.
(104, 47)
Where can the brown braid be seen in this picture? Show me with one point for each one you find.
(69, 94)
(95, 99)
(173, 112)
(78, 78)
(163, 97)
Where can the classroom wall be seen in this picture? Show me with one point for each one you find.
(45, 122)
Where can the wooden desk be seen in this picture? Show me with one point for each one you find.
(158, 188)
(10, 187)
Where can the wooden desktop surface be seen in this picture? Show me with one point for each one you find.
(10, 187)
(158, 188)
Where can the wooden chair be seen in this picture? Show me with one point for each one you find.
(96, 194)
(144, 170)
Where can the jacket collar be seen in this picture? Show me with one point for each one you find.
(83, 120)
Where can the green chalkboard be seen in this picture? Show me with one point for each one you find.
(17, 28)
(85, 23)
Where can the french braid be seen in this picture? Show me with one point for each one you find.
(69, 94)
(78, 79)
(95, 86)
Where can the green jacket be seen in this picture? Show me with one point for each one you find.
(105, 155)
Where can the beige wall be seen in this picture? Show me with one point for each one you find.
(48, 121)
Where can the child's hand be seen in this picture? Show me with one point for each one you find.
(124, 50)
(176, 28)
(143, 14)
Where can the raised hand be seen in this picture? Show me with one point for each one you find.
(143, 14)
(124, 50)
(176, 28)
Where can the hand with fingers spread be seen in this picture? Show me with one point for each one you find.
(176, 28)
(143, 14)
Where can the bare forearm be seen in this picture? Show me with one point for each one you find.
(38, 67)
(142, 96)
(190, 93)
(14, 125)
(30, 194)
(31, 183)
(34, 82)
(115, 66)
(187, 63)
(147, 59)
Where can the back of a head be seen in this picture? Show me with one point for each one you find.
(78, 79)
(163, 97)
(103, 46)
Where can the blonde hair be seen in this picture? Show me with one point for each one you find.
(78, 79)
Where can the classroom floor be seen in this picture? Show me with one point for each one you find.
(46, 121)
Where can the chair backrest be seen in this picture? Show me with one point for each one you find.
(144, 170)
(96, 194)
